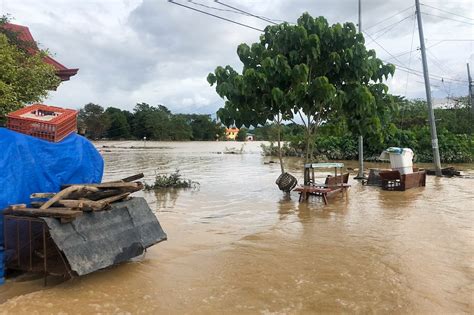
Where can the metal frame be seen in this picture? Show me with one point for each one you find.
(46, 270)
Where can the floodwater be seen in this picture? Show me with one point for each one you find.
(238, 245)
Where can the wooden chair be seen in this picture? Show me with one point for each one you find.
(332, 185)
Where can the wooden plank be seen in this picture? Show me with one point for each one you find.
(66, 192)
(126, 179)
(62, 194)
(105, 193)
(17, 206)
(52, 212)
(80, 204)
(133, 177)
(42, 195)
(107, 185)
(109, 200)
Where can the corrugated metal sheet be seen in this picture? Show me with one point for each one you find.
(100, 239)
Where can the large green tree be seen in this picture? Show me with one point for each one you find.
(308, 73)
(152, 122)
(119, 126)
(93, 119)
(24, 78)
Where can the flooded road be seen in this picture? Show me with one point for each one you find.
(236, 244)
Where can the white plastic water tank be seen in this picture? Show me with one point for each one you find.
(403, 161)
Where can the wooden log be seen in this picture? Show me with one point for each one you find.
(102, 193)
(81, 204)
(133, 178)
(107, 185)
(17, 206)
(52, 212)
(65, 192)
(105, 193)
(109, 200)
(37, 204)
(42, 195)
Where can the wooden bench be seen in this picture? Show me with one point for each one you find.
(332, 185)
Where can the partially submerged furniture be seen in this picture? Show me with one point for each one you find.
(332, 185)
(403, 175)
(393, 180)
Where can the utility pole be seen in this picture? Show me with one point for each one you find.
(431, 117)
(471, 95)
(360, 175)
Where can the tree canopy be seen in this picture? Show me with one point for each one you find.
(310, 70)
(24, 78)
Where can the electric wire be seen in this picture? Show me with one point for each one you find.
(248, 13)
(386, 19)
(404, 53)
(449, 40)
(442, 10)
(390, 27)
(411, 50)
(447, 18)
(227, 10)
(408, 74)
(402, 65)
(216, 16)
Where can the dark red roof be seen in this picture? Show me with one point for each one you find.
(24, 34)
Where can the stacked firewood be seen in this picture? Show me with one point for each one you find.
(75, 199)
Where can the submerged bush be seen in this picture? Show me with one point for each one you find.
(454, 148)
(272, 150)
(173, 180)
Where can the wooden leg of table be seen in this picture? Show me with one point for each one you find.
(325, 198)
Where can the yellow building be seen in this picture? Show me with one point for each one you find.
(231, 133)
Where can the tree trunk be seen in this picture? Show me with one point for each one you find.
(280, 157)
(307, 153)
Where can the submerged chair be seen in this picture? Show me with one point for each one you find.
(332, 185)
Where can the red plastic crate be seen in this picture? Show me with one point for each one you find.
(45, 122)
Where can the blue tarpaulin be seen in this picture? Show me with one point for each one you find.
(29, 165)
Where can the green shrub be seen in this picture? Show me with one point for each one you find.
(172, 180)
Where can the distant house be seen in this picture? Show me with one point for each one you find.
(231, 133)
(24, 34)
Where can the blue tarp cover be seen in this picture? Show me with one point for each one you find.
(29, 165)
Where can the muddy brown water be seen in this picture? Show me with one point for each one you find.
(238, 245)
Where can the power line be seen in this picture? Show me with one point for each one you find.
(404, 53)
(431, 75)
(444, 67)
(216, 16)
(430, 6)
(226, 10)
(450, 40)
(248, 13)
(447, 18)
(213, 8)
(386, 19)
(411, 50)
(375, 41)
(390, 27)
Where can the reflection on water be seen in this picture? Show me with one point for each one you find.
(237, 244)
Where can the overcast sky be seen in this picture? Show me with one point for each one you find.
(153, 51)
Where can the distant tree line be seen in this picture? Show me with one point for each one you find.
(152, 122)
